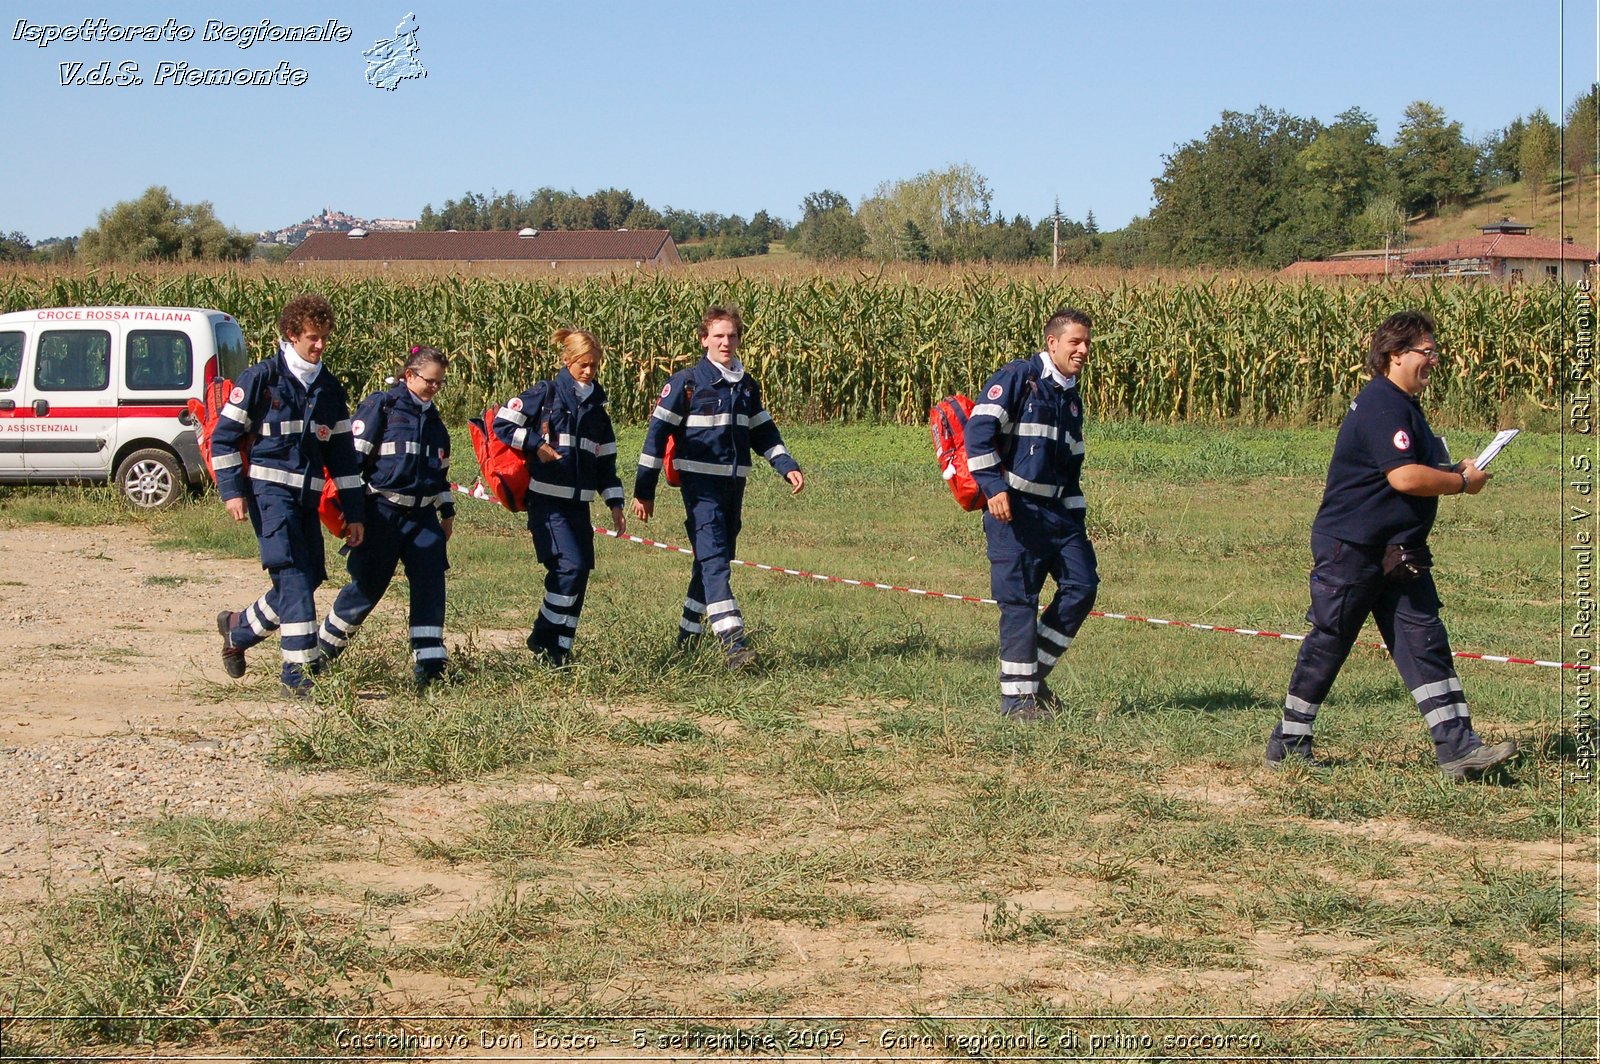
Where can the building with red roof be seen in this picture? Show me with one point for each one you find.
(617, 247)
(1503, 254)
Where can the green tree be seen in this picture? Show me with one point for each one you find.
(1220, 197)
(1329, 184)
(828, 229)
(157, 228)
(1539, 154)
(1505, 152)
(15, 247)
(948, 208)
(1581, 142)
(1381, 223)
(1435, 166)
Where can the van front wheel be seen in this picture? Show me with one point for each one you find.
(150, 479)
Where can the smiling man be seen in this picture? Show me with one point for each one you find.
(715, 416)
(1025, 450)
(1369, 549)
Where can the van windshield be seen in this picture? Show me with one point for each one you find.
(233, 358)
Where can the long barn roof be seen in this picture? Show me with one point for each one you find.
(548, 245)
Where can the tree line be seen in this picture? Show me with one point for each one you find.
(1260, 188)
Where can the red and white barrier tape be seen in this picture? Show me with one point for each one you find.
(477, 492)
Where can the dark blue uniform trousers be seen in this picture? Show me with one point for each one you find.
(290, 539)
(1347, 584)
(563, 541)
(1042, 539)
(394, 535)
(712, 520)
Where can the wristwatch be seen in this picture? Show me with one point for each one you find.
(1463, 473)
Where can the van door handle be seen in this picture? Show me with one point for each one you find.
(8, 404)
(41, 407)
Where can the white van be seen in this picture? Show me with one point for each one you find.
(100, 394)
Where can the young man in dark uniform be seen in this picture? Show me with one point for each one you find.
(1369, 547)
(286, 421)
(714, 412)
(1025, 450)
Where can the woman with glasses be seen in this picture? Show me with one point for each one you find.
(405, 452)
(1369, 549)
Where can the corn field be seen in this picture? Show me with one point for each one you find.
(855, 347)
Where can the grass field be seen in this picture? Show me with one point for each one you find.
(852, 831)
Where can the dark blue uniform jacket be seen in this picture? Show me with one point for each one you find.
(1385, 429)
(291, 435)
(405, 450)
(551, 412)
(1025, 434)
(718, 423)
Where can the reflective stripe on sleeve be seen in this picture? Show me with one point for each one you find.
(226, 461)
(982, 461)
(993, 410)
(236, 413)
(649, 461)
(663, 414)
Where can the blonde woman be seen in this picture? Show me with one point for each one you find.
(565, 435)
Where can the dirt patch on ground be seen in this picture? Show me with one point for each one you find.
(121, 713)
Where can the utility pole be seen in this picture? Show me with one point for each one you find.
(1055, 238)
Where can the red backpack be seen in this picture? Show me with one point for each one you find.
(205, 413)
(948, 423)
(669, 453)
(504, 470)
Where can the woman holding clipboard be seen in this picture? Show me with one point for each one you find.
(1369, 546)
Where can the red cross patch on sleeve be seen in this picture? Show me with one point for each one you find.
(1402, 441)
(358, 426)
(995, 392)
(514, 404)
(236, 396)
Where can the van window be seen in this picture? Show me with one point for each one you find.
(159, 361)
(10, 359)
(233, 358)
(73, 360)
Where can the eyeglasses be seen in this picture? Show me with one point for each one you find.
(1427, 352)
(432, 382)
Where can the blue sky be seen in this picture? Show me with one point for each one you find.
(737, 107)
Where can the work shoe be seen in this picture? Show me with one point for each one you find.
(298, 692)
(426, 678)
(232, 656)
(1288, 760)
(742, 659)
(1027, 711)
(1048, 699)
(1479, 761)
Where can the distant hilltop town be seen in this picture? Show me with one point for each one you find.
(332, 221)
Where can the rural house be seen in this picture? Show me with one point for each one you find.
(602, 247)
(1504, 252)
